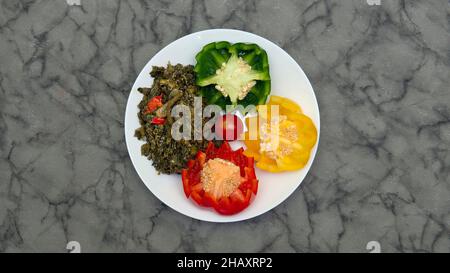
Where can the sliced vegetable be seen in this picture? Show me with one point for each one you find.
(228, 127)
(153, 104)
(286, 148)
(158, 120)
(220, 178)
(233, 74)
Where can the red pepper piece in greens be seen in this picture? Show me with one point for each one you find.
(153, 104)
(158, 120)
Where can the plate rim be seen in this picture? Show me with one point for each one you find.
(313, 151)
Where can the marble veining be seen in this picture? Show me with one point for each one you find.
(381, 74)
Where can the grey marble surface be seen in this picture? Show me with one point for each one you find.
(381, 75)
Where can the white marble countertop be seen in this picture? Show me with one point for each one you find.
(381, 74)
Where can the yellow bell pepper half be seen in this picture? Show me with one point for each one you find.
(285, 148)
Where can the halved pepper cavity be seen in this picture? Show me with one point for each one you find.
(286, 148)
(232, 74)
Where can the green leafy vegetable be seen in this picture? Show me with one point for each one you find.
(233, 74)
(174, 84)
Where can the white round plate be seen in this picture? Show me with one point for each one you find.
(288, 80)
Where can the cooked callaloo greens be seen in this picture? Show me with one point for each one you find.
(172, 85)
(231, 74)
